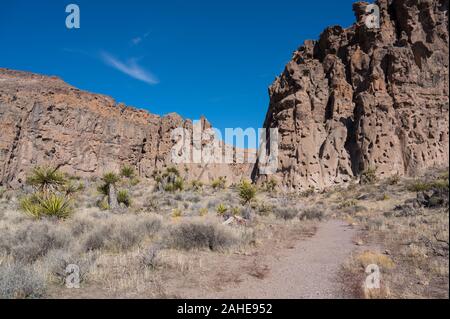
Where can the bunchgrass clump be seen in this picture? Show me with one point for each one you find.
(199, 235)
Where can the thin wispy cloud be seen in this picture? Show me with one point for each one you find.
(130, 68)
(139, 39)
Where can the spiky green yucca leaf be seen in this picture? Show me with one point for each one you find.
(103, 189)
(30, 205)
(55, 205)
(46, 178)
(71, 188)
(110, 178)
(124, 197)
(171, 170)
(219, 183)
(46, 205)
(221, 209)
(127, 171)
(196, 185)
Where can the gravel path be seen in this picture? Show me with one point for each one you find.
(308, 271)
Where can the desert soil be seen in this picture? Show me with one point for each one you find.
(309, 270)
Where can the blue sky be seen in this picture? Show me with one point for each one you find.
(214, 58)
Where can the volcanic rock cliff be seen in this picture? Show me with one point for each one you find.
(45, 121)
(365, 98)
(356, 99)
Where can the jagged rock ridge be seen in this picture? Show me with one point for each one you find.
(45, 121)
(361, 98)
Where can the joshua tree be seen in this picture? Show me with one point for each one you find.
(110, 180)
(46, 179)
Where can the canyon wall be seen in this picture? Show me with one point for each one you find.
(45, 121)
(356, 99)
(363, 98)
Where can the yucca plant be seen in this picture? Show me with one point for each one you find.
(103, 204)
(110, 180)
(128, 172)
(247, 191)
(171, 170)
(46, 179)
(54, 205)
(70, 188)
(235, 211)
(46, 205)
(221, 209)
(170, 181)
(123, 197)
(219, 183)
(30, 206)
(196, 185)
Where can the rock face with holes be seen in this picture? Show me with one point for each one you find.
(365, 98)
(45, 121)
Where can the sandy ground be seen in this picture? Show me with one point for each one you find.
(308, 271)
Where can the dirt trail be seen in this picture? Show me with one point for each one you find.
(308, 271)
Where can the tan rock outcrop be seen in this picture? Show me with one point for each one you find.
(361, 98)
(44, 121)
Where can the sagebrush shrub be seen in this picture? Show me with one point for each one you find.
(18, 281)
(121, 233)
(312, 214)
(197, 235)
(286, 213)
(32, 240)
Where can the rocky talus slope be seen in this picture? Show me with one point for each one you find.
(45, 121)
(362, 98)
